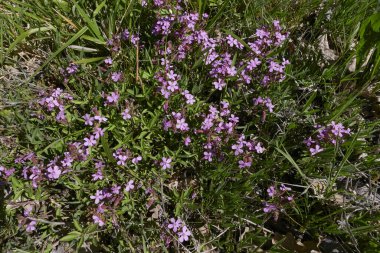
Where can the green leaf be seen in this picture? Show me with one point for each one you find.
(92, 39)
(106, 147)
(83, 49)
(77, 225)
(99, 8)
(71, 236)
(62, 5)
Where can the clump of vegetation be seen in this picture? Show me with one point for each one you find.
(206, 126)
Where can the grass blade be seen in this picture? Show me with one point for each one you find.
(90, 22)
(25, 34)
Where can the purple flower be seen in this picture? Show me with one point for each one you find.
(207, 156)
(98, 132)
(115, 189)
(158, 2)
(175, 224)
(172, 86)
(167, 124)
(88, 120)
(238, 148)
(337, 129)
(98, 196)
(243, 164)
(309, 141)
(165, 163)
(31, 226)
(122, 158)
(97, 176)
(269, 208)
(187, 141)
(89, 142)
(100, 119)
(253, 64)
(126, 115)
(72, 69)
(284, 188)
(113, 97)
(271, 191)
(98, 221)
(67, 161)
(189, 98)
(182, 125)
(54, 172)
(136, 160)
(108, 61)
(261, 33)
(116, 76)
(231, 41)
(99, 165)
(129, 186)
(184, 234)
(135, 39)
(219, 84)
(315, 150)
(259, 149)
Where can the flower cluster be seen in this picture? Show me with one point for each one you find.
(107, 199)
(6, 173)
(208, 125)
(70, 70)
(267, 102)
(27, 220)
(123, 156)
(278, 198)
(179, 227)
(333, 133)
(56, 101)
(245, 149)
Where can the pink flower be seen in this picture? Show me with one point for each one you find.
(113, 97)
(98, 132)
(136, 160)
(184, 234)
(269, 208)
(129, 186)
(98, 221)
(126, 115)
(115, 189)
(89, 142)
(116, 76)
(175, 224)
(97, 176)
(187, 141)
(54, 172)
(88, 120)
(271, 191)
(31, 226)
(219, 84)
(165, 163)
(182, 125)
(98, 196)
(316, 150)
(108, 61)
